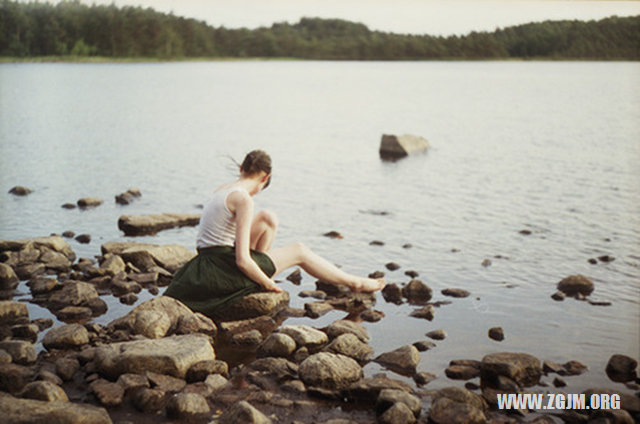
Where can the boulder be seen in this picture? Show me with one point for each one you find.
(369, 389)
(349, 345)
(329, 371)
(20, 191)
(317, 309)
(166, 383)
(395, 147)
(398, 413)
(113, 264)
(21, 352)
(128, 196)
(12, 311)
(417, 292)
(576, 284)
(149, 401)
(146, 257)
(55, 261)
(243, 412)
(621, 368)
(390, 397)
(403, 360)
(66, 337)
(453, 405)
(44, 390)
(187, 405)
(14, 377)
(54, 243)
(152, 224)
(523, 368)
(201, 370)
(215, 382)
(255, 305)
(344, 326)
(108, 393)
(8, 278)
(305, 336)
(73, 293)
(171, 355)
(19, 411)
(277, 344)
(246, 339)
(392, 293)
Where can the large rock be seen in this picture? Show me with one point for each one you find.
(151, 224)
(147, 256)
(344, 326)
(369, 389)
(73, 293)
(171, 355)
(12, 311)
(403, 360)
(305, 336)
(54, 243)
(8, 277)
(621, 368)
(25, 411)
(66, 337)
(187, 405)
(329, 371)
(576, 284)
(522, 368)
(390, 397)
(243, 412)
(256, 304)
(277, 344)
(349, 345)
(45, 390)
(417, 292)
(453, 405)
(395, 147)
(21, 352)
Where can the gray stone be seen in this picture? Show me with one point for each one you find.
(74, 313)
(201, 370)
(426, 312)
(462, 372)
(403, 360)
(216, 382)
(152, 224)
(394, 147)
(42, 285)
(520, 367)
(19, 411)
(243, 412)
(249, 338)
(66, 337)
(131, 382)
(349, 345)
(11, 312)
(330, 371)
(305, 336)
(187, 405)
(368, 389)
(399, 413)
(21, 352)
(8, 278)
(55, 261)
(113, 264)
(340, 327)
(277, 344)
(44, 390)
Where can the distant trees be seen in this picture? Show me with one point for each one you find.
(72, 28)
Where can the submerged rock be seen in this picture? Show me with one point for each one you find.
(394, 147)
(20, 191)
(152, 224)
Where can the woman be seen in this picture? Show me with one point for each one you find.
(235, 257)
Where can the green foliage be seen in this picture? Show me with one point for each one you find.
(71, 28)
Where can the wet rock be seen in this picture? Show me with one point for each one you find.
(316, 294)
(68, 234)
(69, 206)
(403, 360)
(295, 277)
(149, 401)
(496, 333)
(390, 397)
(399, 413)
(73, 293)
(83, 238)
(128, 196)
(525, 232)
(73, 313)
(68, 336)
(264, 323)
(43, 323)
(152, 224)
(592, 261)
(575, 285)
(145, 278)
(166, 383)
(411, 274)
(628, 402)
(551, 367)
(45, 391)
(42, 285)
(89, 202)
(376, 274)
(453, 405)
(407, 246)
(317, 309)
(394, 147)
(427, 312)
(371, 315)
(621, 368)
(520, 367)
(305, 336)
(437, 334)
(21, 352)
(462, 372)
(113, 264)
(170, 355)
(422, 378)
(558, 296)
(573, 368)
(187, 405)
(392, 266)
(330, 371)
(196, 323)
(257, 304)
(109, 394)
(376, 243)
(333, 235)
(368, 389)
(20, 191)
(36, 411)
(340, 327)
(243, 412)
(486, 263)
(424, 345)
(25, 272)
(277, 344)
(200, 370)
(459, 293)
(332, 289)
(11, 312)
(14, 377)
(249, 338)
(55, 261)
(66, 368)
(558, 382)
(606, 258)
(128, 299)
(416, 291)
(8, 278)
(349, 345)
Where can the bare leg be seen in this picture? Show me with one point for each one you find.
(299, 254)
(263, 231)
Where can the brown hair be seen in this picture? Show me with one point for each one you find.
(256, 161)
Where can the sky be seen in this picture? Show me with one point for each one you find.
(433, 17)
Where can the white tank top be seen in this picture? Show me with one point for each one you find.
(217, 223)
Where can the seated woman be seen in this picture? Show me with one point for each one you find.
(235, 257)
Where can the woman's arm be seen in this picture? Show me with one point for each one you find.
(242, 205)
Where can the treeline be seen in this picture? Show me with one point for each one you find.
(72, 28)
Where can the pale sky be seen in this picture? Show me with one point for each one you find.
(434, 17)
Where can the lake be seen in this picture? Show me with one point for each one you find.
(549, 147)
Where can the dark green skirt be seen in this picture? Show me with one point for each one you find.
(211, 281)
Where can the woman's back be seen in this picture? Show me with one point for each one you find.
(217, 223)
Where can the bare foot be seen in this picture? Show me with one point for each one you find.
(368, 285)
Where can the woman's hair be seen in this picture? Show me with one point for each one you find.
(256, 161)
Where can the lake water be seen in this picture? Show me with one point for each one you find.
(552, 147)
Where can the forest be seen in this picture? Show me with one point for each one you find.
(73, 29)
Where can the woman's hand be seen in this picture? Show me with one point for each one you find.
(273, 287)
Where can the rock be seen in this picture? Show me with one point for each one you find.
(422, 378)
(612, 416)
(21, 352)
(68, 336)
(437, 334)
(525, 232)
(196, 323)
(68, 234)
(14, 377)
(166, 383)
(427, 312)
(376, 274)
(8, 278)
(349, 345)
(417, 291)
(392, 293)
(109, 394)
(392, 266)
(73, 313)
(576, 284)
(462, 372)
(145, 278)
(264, 323)
(187, 405)
(279, 368)
(558, 382)
(390, 397)
(621, 368)
(44, 390)
(394, 147)
(149, 401)
(551, 367)
(89, 202)
(257, 304)
(573, 368)
(42, 285)
(43, 323)
(558, 296)
(131, 382)
(520, 367)
(83, 238)
(152, 224)
(277, 344)
(35, 411)
(55, 261)
(411, 274)
(5, 358)
(69, 206)
(606, 258)
(424, 345)
(128, 299)
(215, 382)
(20, 191)
(371, 315)
(25, 272)
(295, 277)
(459, 293)
(66, 368)
(376, 243)
(496, 333)
(403, 360)
(243, 412)
(368, 389)
(113, 265)
(304, 335)
(128, 196)
(486, 263)
(344, 326)
(11, 312)
(453, 405)
(399, 413)
(329, 371)
(628, 402)
(170, 355)
(317, 309)
(333, 235)
(73, 293)
(249, 338)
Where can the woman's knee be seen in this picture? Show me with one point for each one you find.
(268, 218)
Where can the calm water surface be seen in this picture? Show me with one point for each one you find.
(551, 147)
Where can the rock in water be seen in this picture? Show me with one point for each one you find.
(151, 224)
(522, 368)
(576, 284)
(36, 411)
(395, 147)
(20, 191)
(329, 371)
(403, 360)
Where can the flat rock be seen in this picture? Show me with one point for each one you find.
(344, 326)
(317, 309)
(403, 360)
(12, 311)
(330, 371)
(89, 202)
(305, 336)
(55, 243)
(350, 345)
(108, 393)
(201, 370)
(166, 383)
(152, 224)
(455, 293)
(255, 305)
(35, 411)
(170, 355)
(576, 284)
(523, 368)
(73, 293)
(66, 337)
(249, 338)
(368, 389)
(462, 372)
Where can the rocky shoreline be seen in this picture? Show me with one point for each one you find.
(160, 362)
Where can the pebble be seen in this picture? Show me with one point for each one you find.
(496, 333)
(424, 345)
(83, 238)
(333, 235)
(392, 266)
(411, 274)
(376, 243)
(437, 334)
